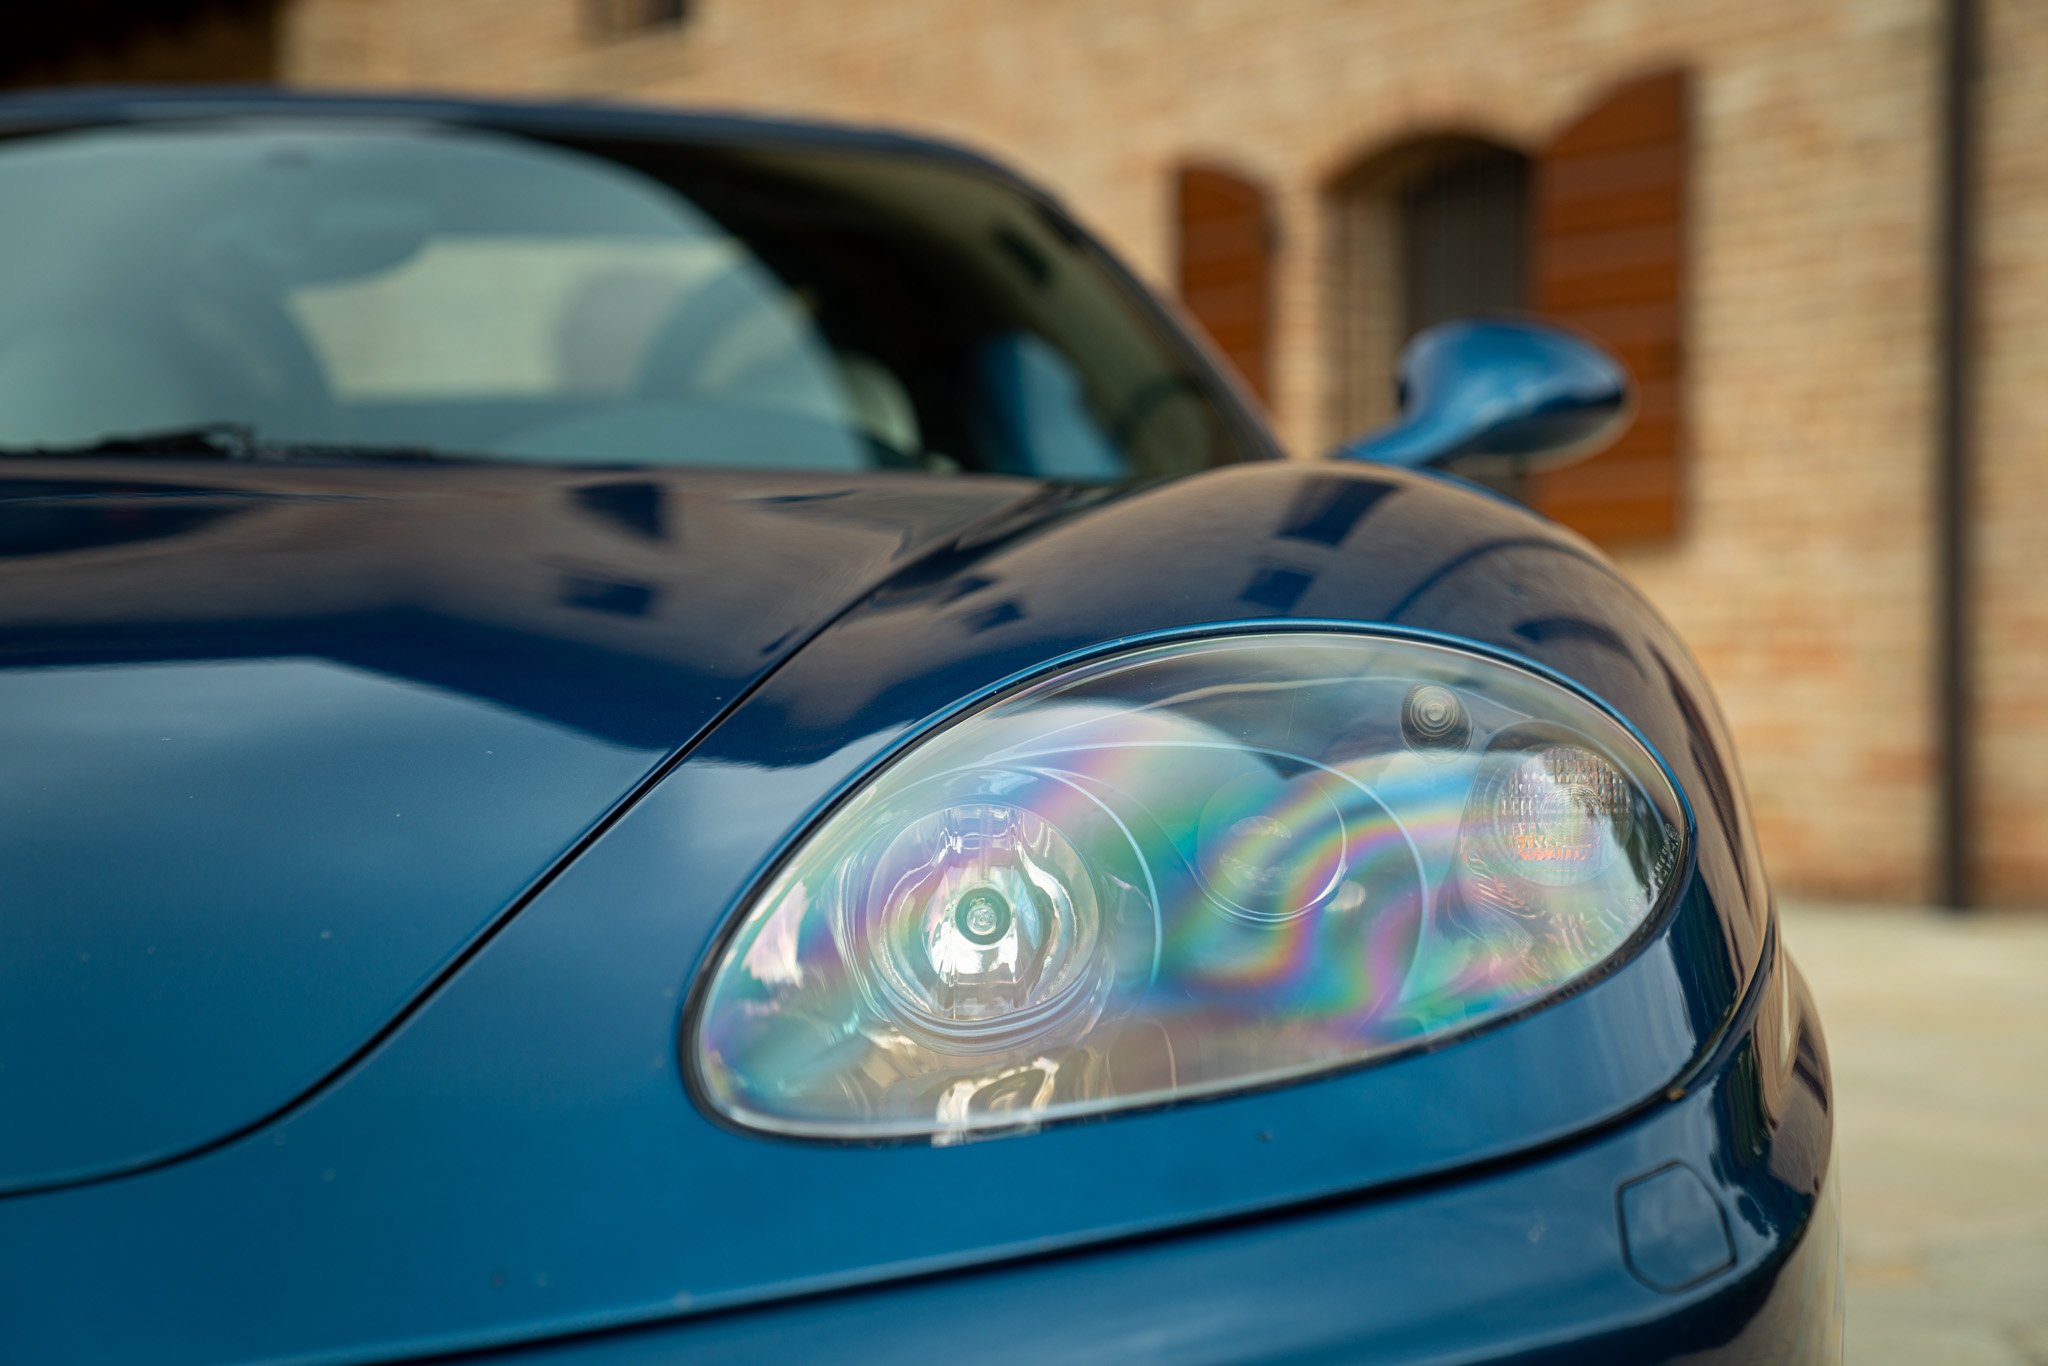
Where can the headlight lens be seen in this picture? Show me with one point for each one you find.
(1187, 869)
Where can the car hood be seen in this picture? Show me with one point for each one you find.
(520, 1157)
(283, 744)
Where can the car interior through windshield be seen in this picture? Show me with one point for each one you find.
(388, 285)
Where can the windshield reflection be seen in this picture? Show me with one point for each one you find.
(392, 286)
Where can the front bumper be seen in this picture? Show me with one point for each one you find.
(1704, 1229)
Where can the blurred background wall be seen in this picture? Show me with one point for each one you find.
(1743, 197)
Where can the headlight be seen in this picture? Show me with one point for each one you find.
(1183, 870)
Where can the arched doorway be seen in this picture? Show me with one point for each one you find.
(1433, 228)
(1588, 230)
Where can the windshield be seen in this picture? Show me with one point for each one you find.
(378, 285)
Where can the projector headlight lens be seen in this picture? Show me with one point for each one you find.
(1184, 870)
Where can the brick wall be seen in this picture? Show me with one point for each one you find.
(2011, 496)
(1801, 573)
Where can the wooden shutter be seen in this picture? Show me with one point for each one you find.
(1224, 246)
(1609, 257)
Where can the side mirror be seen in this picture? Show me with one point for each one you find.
(1511, 394)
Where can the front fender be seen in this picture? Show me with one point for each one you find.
(529, 1133)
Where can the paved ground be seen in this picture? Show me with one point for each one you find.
(1938, 1031)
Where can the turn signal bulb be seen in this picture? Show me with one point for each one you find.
(1559, 813)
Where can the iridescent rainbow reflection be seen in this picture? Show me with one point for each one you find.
(1182, 871)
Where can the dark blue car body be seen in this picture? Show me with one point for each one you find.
(366, 827)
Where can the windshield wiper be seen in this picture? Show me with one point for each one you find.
(233, 441)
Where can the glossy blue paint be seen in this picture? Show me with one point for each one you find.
(1520, 1263)
(474, 1133)
(1673, 1231)
(525, 1135)
(298, 737)
(1514, 391)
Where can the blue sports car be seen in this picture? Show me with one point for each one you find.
(630, 737)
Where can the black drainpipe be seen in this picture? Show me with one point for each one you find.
(1955, 449)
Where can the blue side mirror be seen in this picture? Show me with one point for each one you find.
(1507, 393)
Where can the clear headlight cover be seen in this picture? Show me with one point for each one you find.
(1183, 870)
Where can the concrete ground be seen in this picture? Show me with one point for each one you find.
(1938, 1032)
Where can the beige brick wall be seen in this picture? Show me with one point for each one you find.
(2011, 495)
(1802, 575)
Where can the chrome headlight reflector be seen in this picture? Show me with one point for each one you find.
(1190, 868)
